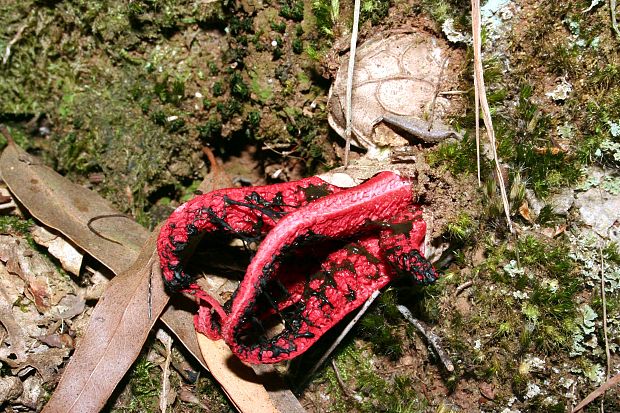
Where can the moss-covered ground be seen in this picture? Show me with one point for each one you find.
(123, 96)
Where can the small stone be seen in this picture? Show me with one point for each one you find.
(562, 201)
(487, 390)
(599, 209)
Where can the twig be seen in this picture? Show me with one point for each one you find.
(349, 96)
(7, 135)
(607, 353)
(477, 122)
(344, 388)
(452, 92)
(15, 39)
(165, 386)
(431, 337)
(614, 21)
(342, 335)
(484, 105)
(601, 389)
(462, 287)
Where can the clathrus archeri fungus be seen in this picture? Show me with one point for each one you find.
(323, 251)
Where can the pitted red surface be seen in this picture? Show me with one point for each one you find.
(321, 257)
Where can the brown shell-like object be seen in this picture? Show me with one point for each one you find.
(397, 74)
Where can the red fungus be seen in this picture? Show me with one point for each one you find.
(325, 251)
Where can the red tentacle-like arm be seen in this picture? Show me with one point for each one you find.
(325, 251)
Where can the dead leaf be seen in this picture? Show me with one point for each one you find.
(67, 207)
(116, 332)
(46, 362)
(552, 232)
(80, 379)
(32, 392)
(70, 306)
(487, 390)
(57, 340)
(38, 289)
(526, 213)
(69, 257)
(545, 150)
(10, 388)
(249, 396)
(16, 337)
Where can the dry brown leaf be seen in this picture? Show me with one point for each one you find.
(70, 258)
(249, 396)
(117, 330)
(116, 256)
(16, 354)
(66, 207)
(526, 213)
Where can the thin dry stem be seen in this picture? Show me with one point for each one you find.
(342, 335)
(463, 286)
(596, 393)
(165, 387)
(431, 337)
(484, 105)
(341, 383)
(15, 39)
(603, 298)
(349, 96)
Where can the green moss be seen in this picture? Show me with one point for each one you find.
(228, 109)
(362, 379)
(190, 191)
(457, 157)
(326, 13)
(310, 134)
(111, 135)
(297, 45)
(380, 326)
(144, 383)
(374, 10)
(238, 87)
(292, 9)
(217, 400)
(462, 228)
(218, 89)
(277, 51)
(11, 224)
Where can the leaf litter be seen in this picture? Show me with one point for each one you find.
(98, 355)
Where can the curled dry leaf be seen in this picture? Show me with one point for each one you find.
(45, 286)
(77, 385)
(70, 258)
(68, 208)
(81, 388)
